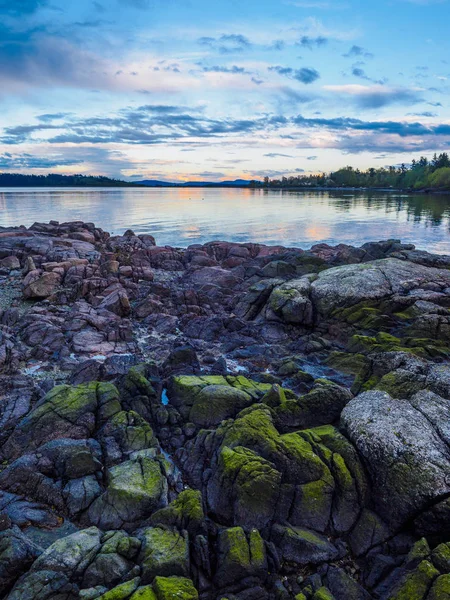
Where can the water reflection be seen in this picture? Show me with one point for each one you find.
(184, 216)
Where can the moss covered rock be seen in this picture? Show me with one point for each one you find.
(440, 589)
(185, 512)
(65, 412)
(174, 588)
(441, 557)
(244, 488)
(302, 546)
(164, 552)
(121, 592)
(415, 585)
(214, 403)
(135, 489)
(240, 556)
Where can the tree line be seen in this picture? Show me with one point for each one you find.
(422, 174)
(55, 180)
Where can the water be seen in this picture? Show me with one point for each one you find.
(183, 216)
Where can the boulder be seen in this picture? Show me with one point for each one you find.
(135, 489)
(38, 285)
(406, 457)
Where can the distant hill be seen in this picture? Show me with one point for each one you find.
(158, 183)
(56, 180)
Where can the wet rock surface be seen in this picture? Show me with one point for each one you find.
(222, 422)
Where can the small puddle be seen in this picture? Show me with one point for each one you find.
(164, 397)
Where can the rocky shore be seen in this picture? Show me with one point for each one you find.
(222, 422)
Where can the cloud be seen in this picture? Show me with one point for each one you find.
(46, 118)
(277, 45)
(361, 74)
(20, 7)
(305, 75)
(310, 43)
(423, 114)
(399, 128)
(358, 52)
(220, 69)
(34, 57)
(12, 162)
(376, 96)
(277, 154)
(227, 43)
(148, 124)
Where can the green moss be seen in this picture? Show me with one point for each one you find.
(441, 557)
(416, 584)
(253, 483)
(313, 504)
(134, 488)
(174, 588)
(308, 466)
(136, 382)
(214, 403)
(131, 431)
(399, 384)
(440, 589)
(235, 548)
(329, 437)
(279, 297)
(363, 316)
(419, 552)
(257, 550)
(144, 593)
(164, 552)
(274, 397)
(254, 388)
(185, 512)
(323, 593)
(351, 364)
(121, 592)
(66, 407)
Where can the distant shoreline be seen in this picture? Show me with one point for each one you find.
(228, 186)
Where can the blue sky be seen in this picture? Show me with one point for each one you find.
(196, 89)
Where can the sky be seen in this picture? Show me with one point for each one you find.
(185, 90)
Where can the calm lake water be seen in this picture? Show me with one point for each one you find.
(180, 217)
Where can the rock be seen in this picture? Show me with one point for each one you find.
(240, 556)
(64, 412)
(163, 553)
(406, 458)
(10, 263)
(135, 489)
(182, 360)
(292, 304)
(349, 285)
(244, 488)
(17, 553)
(344, 587)
(302, 546)
(440, 589)
(40, 285)
(117, 302)
(215, 403)
(415, 585)
(184, 513)
(169, 588)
